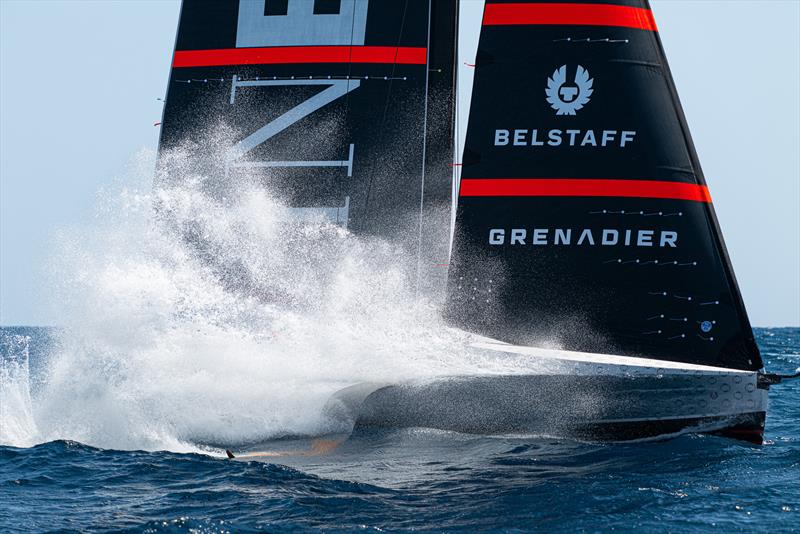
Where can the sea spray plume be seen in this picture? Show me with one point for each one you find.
(160, 352)
(194, 312)
(17, 425)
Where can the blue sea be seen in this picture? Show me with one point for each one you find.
(405, 480)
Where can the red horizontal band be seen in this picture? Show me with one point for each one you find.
(569, 15)
(403, 55)
(571, 187)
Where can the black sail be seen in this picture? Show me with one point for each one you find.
(583, 216)
(340, 108)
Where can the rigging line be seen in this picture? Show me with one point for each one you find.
(381, 130)
(457, 158)
(424, 149)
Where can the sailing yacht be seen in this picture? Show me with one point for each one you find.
(575, 208)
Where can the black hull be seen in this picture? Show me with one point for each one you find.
(587, 407)
(746, 427)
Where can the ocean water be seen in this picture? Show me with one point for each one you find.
(419, 480)
(191, 319)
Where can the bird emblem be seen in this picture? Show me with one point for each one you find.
(565, 98)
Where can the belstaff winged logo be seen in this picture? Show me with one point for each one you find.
(566, 98)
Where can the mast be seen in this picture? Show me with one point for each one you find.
(584, 220)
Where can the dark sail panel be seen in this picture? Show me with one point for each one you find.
(331, 105)
(583, 217)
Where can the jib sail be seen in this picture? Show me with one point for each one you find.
(341, 108)
(583, 216)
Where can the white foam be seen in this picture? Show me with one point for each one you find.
(207, 320)
(17, 424)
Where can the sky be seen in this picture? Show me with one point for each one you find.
(79, 83)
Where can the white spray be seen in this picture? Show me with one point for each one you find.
(238, 333)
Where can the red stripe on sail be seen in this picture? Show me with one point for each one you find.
(403, 55)
(569, 187)
(569, 15)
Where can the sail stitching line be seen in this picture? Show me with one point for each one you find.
(284, 78)
(590, 40)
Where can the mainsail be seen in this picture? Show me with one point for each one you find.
(583, 216)
(341, 108)
(583, 219)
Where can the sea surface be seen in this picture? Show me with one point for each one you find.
(409, 480)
